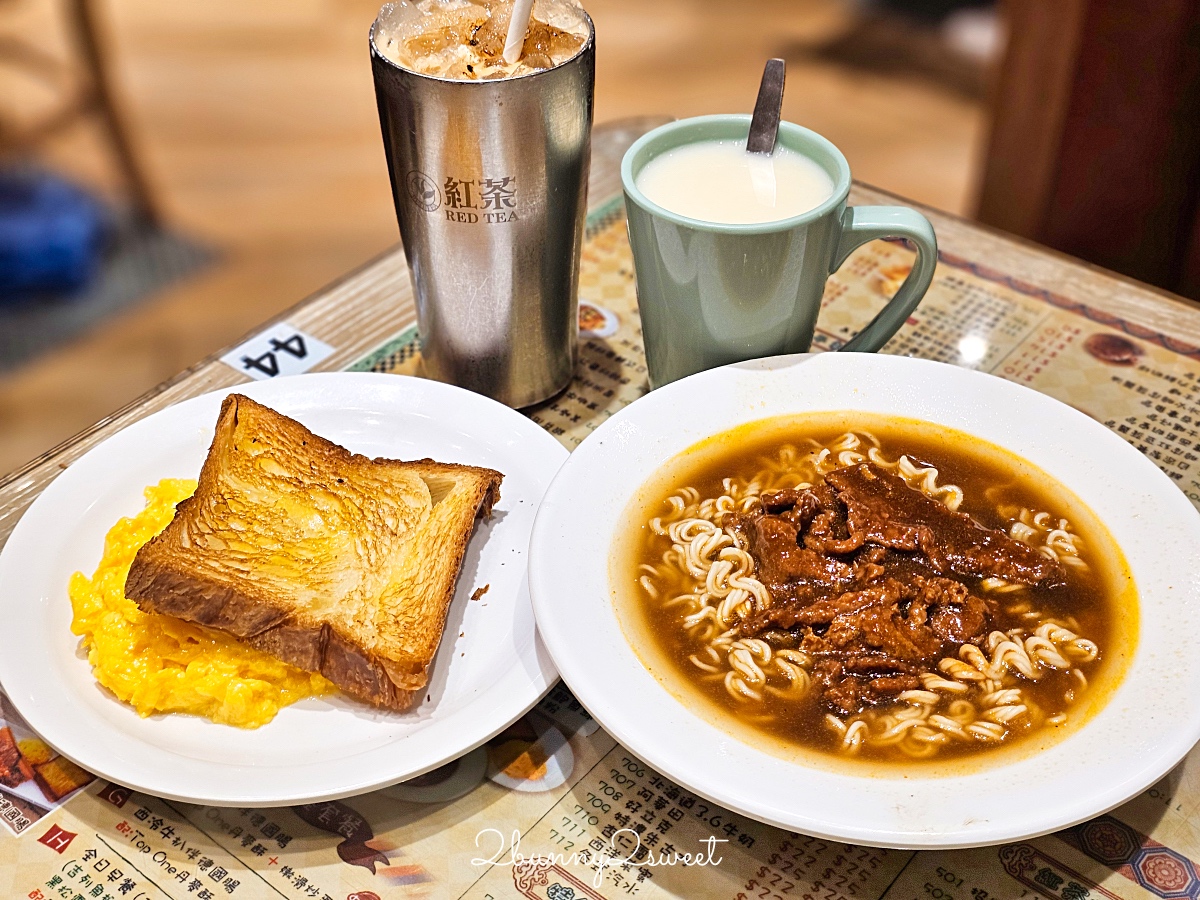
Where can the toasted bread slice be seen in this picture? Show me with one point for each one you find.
(328, 560)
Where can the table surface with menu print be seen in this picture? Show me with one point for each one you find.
(553, 807)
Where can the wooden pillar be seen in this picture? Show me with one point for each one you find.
(1095, 142)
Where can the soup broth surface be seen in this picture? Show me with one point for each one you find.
(1047, 658)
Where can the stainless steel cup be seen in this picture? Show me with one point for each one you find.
(490, 184)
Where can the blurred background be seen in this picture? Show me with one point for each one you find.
(172, 174)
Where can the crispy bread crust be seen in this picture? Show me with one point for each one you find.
(439, 558)
(393, 671)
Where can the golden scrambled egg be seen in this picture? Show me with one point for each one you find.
(163, 664)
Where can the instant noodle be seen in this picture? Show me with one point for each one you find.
(876, 587)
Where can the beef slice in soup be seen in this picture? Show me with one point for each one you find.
(861, 572)
(883, 510)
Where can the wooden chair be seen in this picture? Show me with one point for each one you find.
(84, 85)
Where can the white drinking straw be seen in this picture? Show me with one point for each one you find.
(517, 26)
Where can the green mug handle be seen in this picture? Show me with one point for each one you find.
(867, 223)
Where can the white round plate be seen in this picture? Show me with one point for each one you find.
(490, 669)
(1145, 728)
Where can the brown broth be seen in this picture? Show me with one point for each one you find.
(1101, 600)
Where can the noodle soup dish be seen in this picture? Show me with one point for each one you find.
(868, 589)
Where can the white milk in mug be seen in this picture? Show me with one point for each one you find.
(718, 181)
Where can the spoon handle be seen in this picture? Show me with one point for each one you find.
(765, 123)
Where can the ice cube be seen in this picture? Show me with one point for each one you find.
(464, 39)
(565, 15)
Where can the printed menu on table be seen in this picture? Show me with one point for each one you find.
(553, 808)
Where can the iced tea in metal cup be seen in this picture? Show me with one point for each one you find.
(488, 164)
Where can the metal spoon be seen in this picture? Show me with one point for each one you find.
(764, 125)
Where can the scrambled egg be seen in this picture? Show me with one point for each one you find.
(163, 664)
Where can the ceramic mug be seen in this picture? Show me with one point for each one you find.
(712, 293)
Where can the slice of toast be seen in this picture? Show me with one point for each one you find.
(328, 560)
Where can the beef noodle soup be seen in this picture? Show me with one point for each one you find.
(875, 588)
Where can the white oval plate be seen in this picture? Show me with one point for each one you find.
(490, 669)
(1136, 738)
